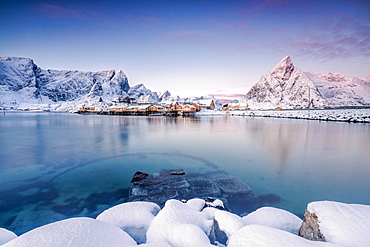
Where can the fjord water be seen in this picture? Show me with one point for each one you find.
(57, 165)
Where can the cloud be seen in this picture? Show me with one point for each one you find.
(344, 39)
(98, 14)
(57, 11)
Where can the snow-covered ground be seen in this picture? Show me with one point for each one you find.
(180, 224)
(344, 115)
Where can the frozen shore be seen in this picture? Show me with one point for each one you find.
(343, 115)
(193, 223)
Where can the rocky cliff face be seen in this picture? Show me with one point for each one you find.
(22, 81)
(285, 86)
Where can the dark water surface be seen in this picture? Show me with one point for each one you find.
(54, 166)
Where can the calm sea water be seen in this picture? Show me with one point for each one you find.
(54, 166)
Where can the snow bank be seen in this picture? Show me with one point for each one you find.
(179, 225)
(275, 218)
(343, 115)
(258, 235)
(6, 236)
(74, 232)
(132, 217)
(344, 224)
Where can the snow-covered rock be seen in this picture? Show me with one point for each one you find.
(262, 236)
(179, 225)
(196, 204)
(132, 217)
(275, 218)
(285, 86)
(74, 232)
(6, 236)
(228, 222)
(22, 83)
(339, 223)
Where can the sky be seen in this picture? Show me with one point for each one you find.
(190, 48)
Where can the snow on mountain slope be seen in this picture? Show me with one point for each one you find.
(285, 86)
(139, 90)
(341, 90)
(23, 82)
(366, 79)
(165, 95)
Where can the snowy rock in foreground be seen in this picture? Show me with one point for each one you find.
(132, 217)
(225, 224)
(264, 236)
(339, 223)
(179, 225)
(6, 236)
(74, 232)
(275, 218)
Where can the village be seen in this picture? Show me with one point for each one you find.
(145, 105)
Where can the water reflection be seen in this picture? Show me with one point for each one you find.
(55, 165)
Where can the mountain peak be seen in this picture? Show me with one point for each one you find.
(283, 69)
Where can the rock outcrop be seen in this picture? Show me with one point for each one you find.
(237, 196)
(310, 228)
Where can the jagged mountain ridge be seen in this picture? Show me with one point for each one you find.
(287, 87)
(23, 81)
(139, 90)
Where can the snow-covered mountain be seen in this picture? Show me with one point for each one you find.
(287, 87)
(22, 82)
(140, 90)
(367, 78)
(165, 95)
(341, 90)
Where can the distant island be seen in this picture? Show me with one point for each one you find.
(25, 86)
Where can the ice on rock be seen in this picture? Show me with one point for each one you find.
(275, 218)
(262, 236)
(341, 223)
(132, 217)
(6, 236)
(179, 225)
(74, 232)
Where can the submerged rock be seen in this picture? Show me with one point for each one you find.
(230, 191)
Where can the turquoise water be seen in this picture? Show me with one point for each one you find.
(55, 166)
